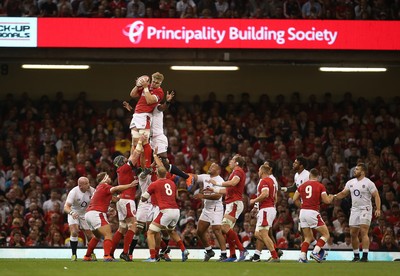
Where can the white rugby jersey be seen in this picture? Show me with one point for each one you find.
(205, 178)
(79, 201)
(144, 184)
(157, 122)
(361, 193)
(300, 178)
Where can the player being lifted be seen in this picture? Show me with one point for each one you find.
(150, 95)
(159, 140)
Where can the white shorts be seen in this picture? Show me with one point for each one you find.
(153, 213)
(168, 218)
(213, 216)
(79, 221)
(126, 208)
(141, 121)
(234, 209)
(360, 216)
(96, 219)
(310, 219)
(160, 142)
(265, 218)
(143, 211)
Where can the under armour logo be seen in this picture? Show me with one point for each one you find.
(134, 31)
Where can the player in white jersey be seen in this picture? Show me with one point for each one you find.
(142, 212)
(361, 189)
(75, 206)
(302, 175)
(213, 210)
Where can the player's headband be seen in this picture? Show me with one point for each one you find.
(105, 177)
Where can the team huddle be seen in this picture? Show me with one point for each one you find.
(148, 168)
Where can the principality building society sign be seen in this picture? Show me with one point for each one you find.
(199, 33)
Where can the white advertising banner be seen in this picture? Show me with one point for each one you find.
(18, 32)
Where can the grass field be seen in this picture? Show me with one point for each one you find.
(66, 267)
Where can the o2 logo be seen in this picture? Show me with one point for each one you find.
(357, 193)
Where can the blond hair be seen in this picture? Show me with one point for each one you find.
(158, 76)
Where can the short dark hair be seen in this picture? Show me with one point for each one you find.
(363, 167)
(302, 161)
(314, 172)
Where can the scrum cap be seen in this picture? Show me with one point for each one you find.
(119, 161)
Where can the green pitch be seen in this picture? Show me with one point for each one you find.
(53, 267)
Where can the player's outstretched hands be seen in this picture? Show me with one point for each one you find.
(127, 106)
(170, 95)
(212, 181)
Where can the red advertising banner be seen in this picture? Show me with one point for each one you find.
(218, 33)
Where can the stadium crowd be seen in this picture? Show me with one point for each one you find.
(47, 144)
(256, 9)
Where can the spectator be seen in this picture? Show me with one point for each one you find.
(311, 10)
(48, 9)
(135, 9)
(51, 203)
(182, 5)
(291, 9)
(389, 244)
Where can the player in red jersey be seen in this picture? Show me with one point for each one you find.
(233, 190)
(311, 194)
(96, 214)
(163, 191)
(150, 95)
(266, 210)
(126, 205)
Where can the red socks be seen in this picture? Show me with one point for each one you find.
(320, 243)
(107, 245)
(234, 237)
(91, 246)
(116, 238)
(147, 154)
(181, 245)
(304, 247)
(127, 240)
